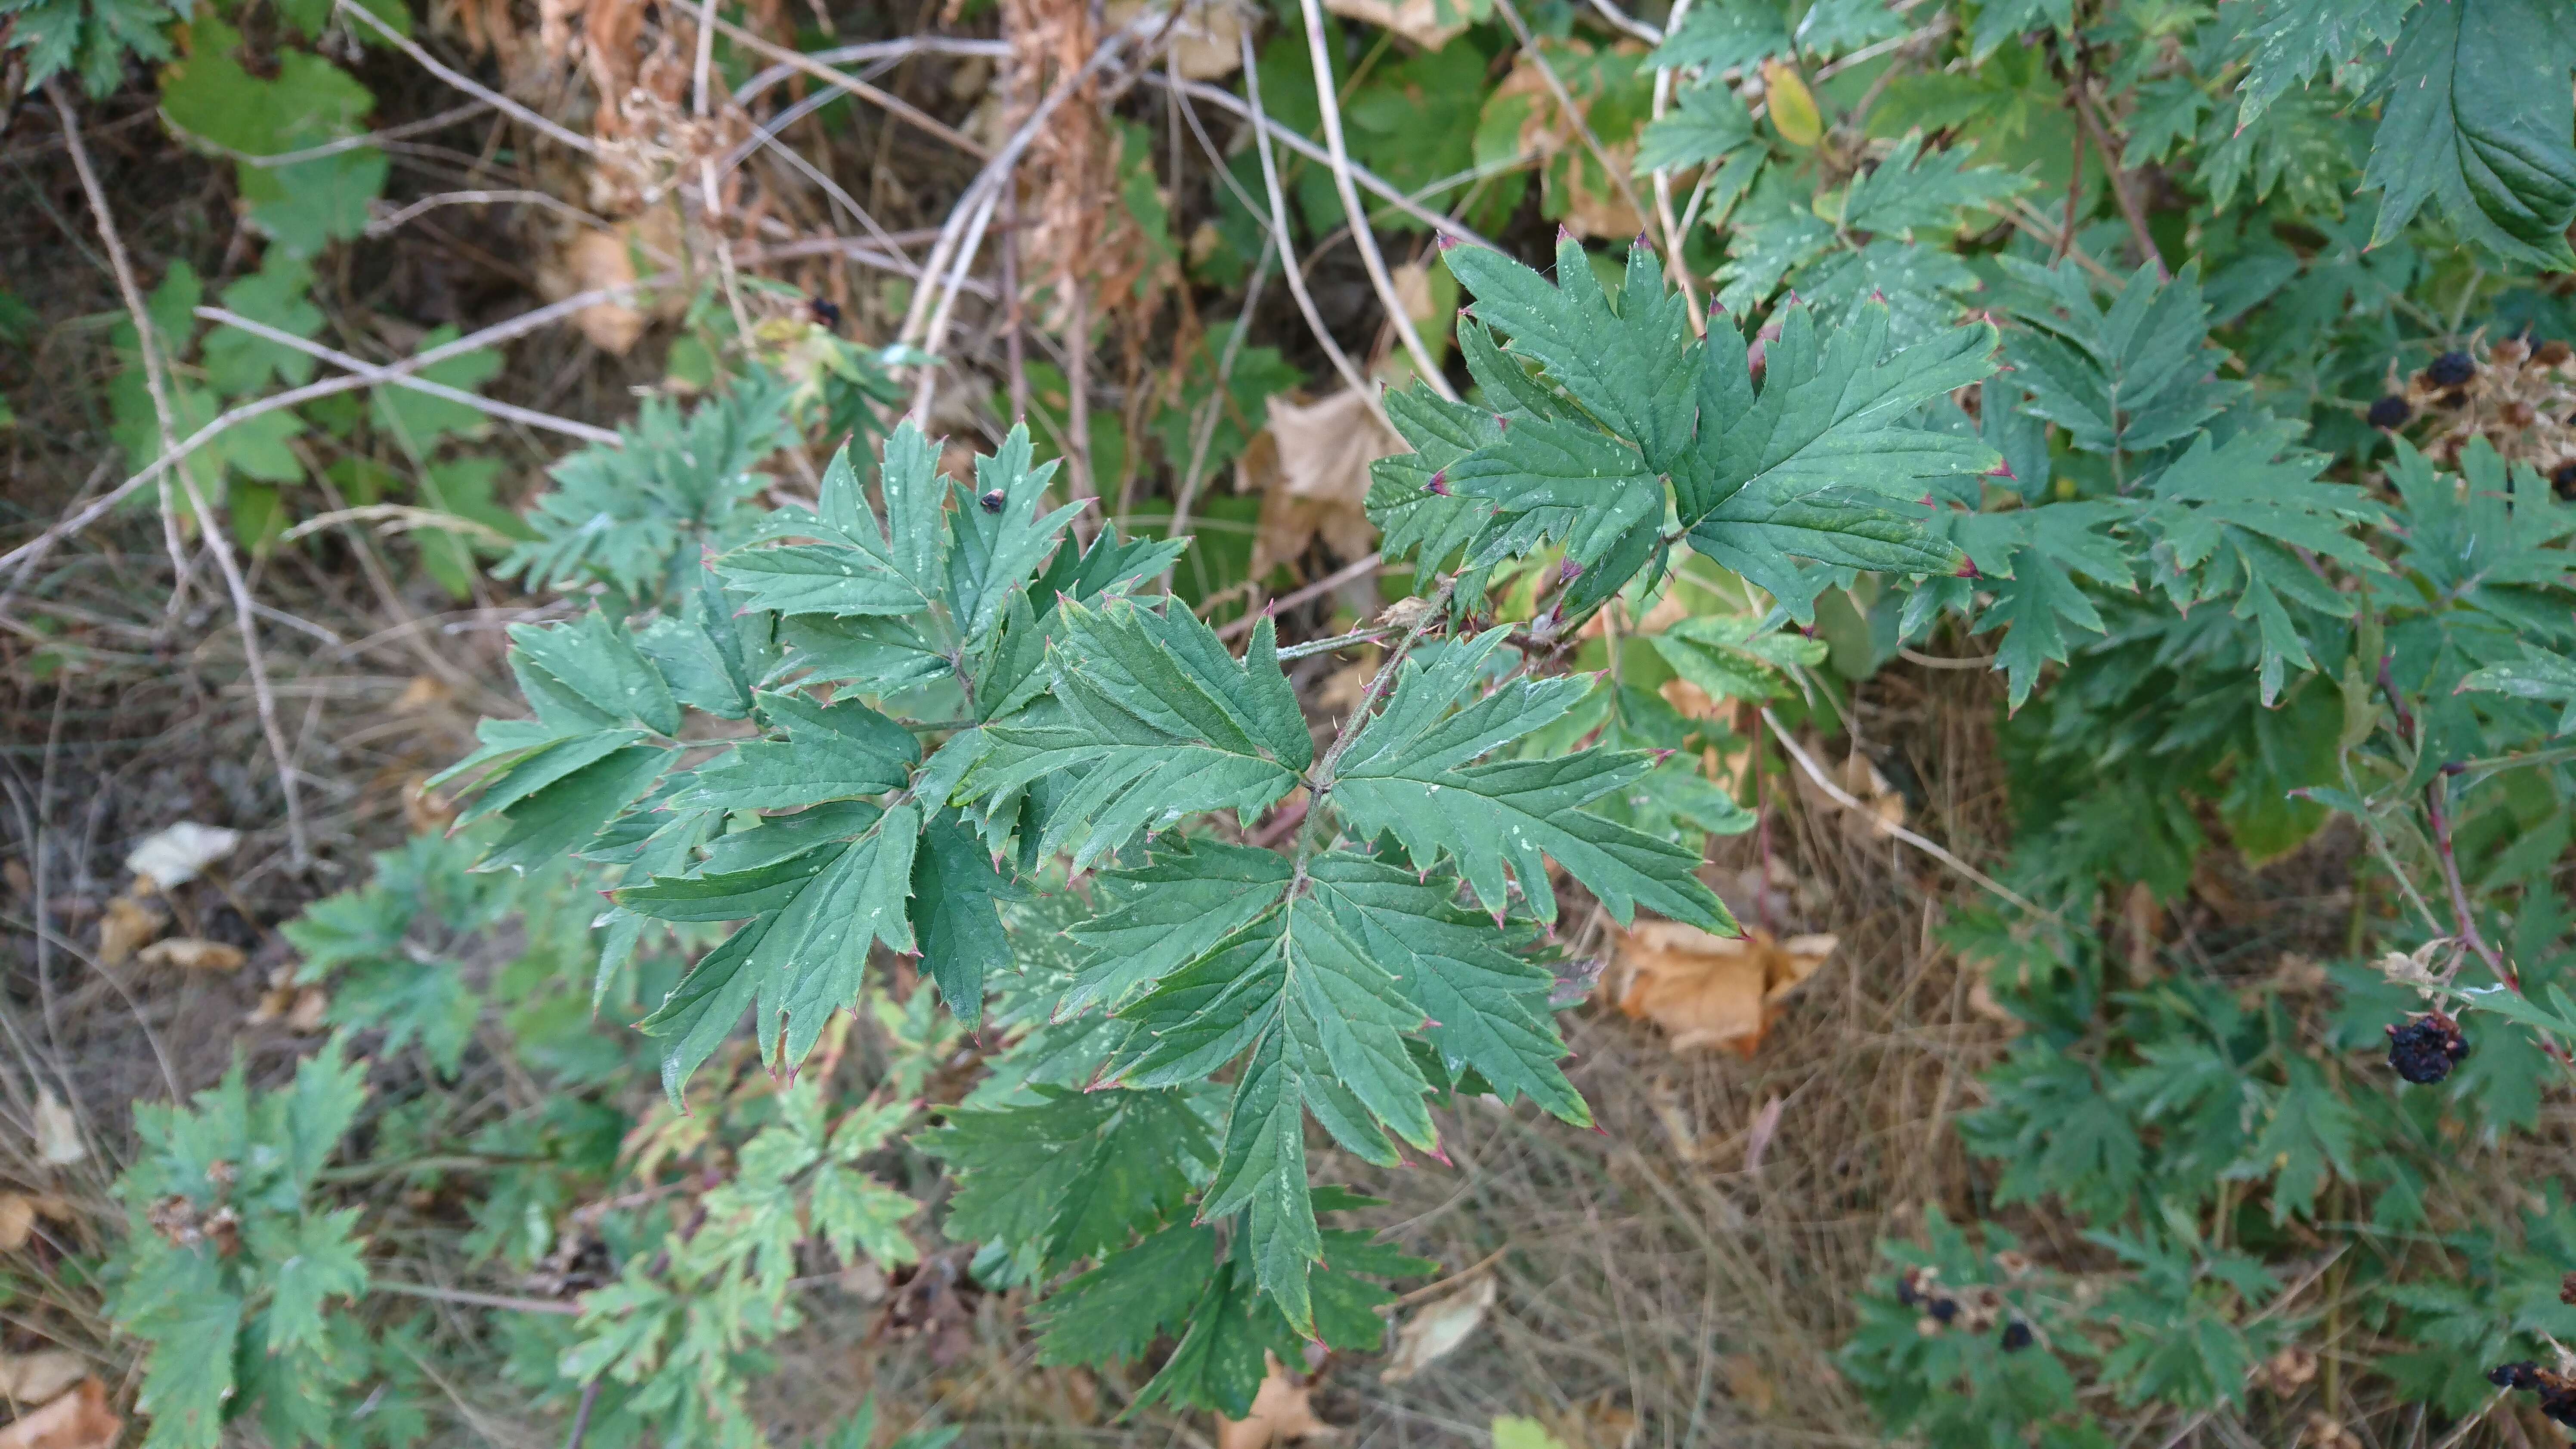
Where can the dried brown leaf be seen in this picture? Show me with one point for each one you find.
(1707, 990)
(58, 1138)
(36, 1378)
(124, 927)
(80, 1419)
(1437, 1327)
(1416, 20)
(192, 953)
(1314, 477)
(1206, 38)
(1283, 1412)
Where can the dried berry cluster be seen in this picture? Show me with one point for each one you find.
(2424, 1048)
(1974, 1309)
(2517, 394)
(2557, 1391)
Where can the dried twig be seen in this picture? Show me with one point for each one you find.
(1339, 159)
(1275, 216)
(1662, 182)
(26, 555)
(509, 412)
(1368, 181)
(2129, 208)
(893, 104)
(245, 614)
(1356, 569)
(467, 83)
(1840, 796)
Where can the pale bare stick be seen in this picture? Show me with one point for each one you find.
(1276, 218)
(996, 173)
(468, 84)
(392, 220)
(1356, 569)
(26, 555)
(245, 613)
(1368, 180)
(893, 104)
(509, 412)
(1663, 185)
(876, 50)
(1848, 801)
(927, 387)
(1627, 24)
(1362, 237)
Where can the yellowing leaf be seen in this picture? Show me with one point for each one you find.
(1793, 106)
(1513, 1432)
(125, 926)
(1438, 1327)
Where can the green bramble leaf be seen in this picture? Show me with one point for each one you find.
(2480, 117)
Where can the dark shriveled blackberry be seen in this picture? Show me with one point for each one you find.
(2451, 369)
(2390, 412)
(2423, 1049)
(1943, 1309)
(2563, 479)
(2016, 1336)
(2557, 1391)
(992, 501)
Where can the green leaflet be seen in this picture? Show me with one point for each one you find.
(1077, 1174)
(1151, 720)
(837, 751)
(1322, 1030)
(2479, 117)
(956, 916)
(1159, 918)
(1410, 773)
(819, 913)
(1485, 1007)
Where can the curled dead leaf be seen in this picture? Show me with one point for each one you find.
(1438, 1327)
(1708, 991)
(35, 1378)
(124, 927)
(300, 1009)
(1283, 1412)
(1312, 468)
(58, 1137)
(174, 856)
(1206, 37)
(1419, 21)
(19, 1212)
(192, 953)
(79, 1419)
(1881, 806)
(1758, 1134)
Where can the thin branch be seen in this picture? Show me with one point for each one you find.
(1359, 568)
(510, 412)
(27, 555)
(245, 614)
(1329, 101)
(471, 1299)
(1368, 180)
(875, 50)
(385, 224)
(440, 121)
(893, 104)
(467, 83)
(1275, 217)
(1433, 617)
(1844, 798)
(2129, 208)
(1629, 25)
(1662, 182)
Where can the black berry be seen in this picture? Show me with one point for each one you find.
(2451, 369)
(1906, 1296)
(2390, 412)
(825, 312)
(992, 501)
(1943, 1309)
(2564, 480)
(2425, 1048)
(2524, 1375)
(2016, 1336)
